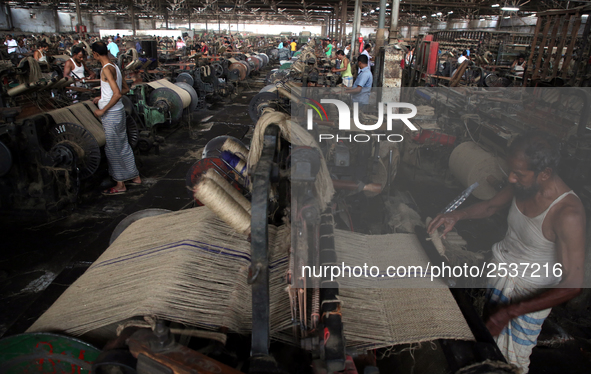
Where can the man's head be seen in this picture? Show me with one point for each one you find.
(43, 46)
(110, 40)
(533, 161)
(368, 47)
(340, 54)
(464, 53)
(99, 49)
(78, 54)
(8, 37)
(362, 61)
(179, 38)
(21, 43)
(521, 59)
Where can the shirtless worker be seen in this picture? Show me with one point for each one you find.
(546, 226)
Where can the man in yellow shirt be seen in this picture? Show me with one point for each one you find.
(293, 47)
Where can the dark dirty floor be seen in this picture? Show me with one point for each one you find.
(41, 256)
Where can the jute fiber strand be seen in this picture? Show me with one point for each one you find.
(191, 267)
(85, 114)
(184, 95)
(297, 136)
(396, 310)
(226, 186)
(34, 71)
(79, 114)
(236, 148)
(188, 267)
(223, 204)
(436, 238)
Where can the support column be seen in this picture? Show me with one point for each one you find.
(79, 16)
(56, 20)
(153, 23)
(132, 14)
(90, 26)
(356, 28)
(394, 19)
(381, 34)
(189, 18)
(206, 25)
(343, 34)
(166, 17)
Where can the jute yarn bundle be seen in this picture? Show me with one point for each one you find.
(297, 136)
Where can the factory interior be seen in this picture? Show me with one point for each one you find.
(170, 169)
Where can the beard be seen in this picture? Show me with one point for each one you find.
(525, 193)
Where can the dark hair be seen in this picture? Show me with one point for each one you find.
(368, 46)
(540, 149)
(100, 48)
(363, 59)
(464, 53)
(340, 52)
(43, 44)
(77, 50)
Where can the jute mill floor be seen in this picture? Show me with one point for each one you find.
(39, 261)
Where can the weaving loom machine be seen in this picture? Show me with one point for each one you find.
(45, 159)
(231, 267)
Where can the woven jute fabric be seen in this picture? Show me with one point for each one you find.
(190, 267)
(383, 311)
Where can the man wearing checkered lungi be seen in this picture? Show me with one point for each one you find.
(112, 114)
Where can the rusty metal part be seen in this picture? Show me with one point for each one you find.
(178, 359)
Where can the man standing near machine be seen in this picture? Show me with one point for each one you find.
(345, 69)
(329, 47)
(75, 67)
(293, 47)
(113, 48)
(112, 113)
(362, 86)
(10, 43)
(546, 229)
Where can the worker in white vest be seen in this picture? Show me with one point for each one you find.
(546, 230)
(76, 68)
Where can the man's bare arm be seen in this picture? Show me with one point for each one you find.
(570, 244)
(67, 69)
(355, 90)
(483, 209)
(124, 86)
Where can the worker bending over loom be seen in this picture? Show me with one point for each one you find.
(75, 67)
(546, 226)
